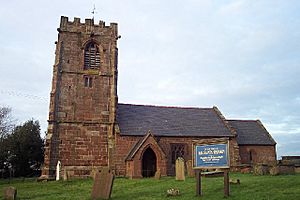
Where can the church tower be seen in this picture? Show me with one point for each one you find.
(83, 98)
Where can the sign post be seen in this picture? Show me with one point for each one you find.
(226, 183)
(198, 183)
(211, 155)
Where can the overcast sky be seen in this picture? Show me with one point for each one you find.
(241, 56)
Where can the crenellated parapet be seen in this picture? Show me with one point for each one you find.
(83, 99)
(88, 27)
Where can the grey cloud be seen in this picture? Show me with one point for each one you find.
(241, 56)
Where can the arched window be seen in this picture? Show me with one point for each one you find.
(91, 56)
(252, 156)
(178, 150)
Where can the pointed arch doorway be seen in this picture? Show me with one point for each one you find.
(149, 163)
(145, 158)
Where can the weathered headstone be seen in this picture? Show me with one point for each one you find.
(58, 170)
(157, 175)
(93, 173)
(190, 170)
(260, 169)
(103, 184)
(66, 174)
(10, 193)
(274, 170)
(180, 176)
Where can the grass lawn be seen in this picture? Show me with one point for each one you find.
(252, 187)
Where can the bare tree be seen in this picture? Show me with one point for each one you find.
(6, 128)
(6, 121)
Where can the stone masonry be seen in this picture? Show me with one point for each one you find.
(89, 130)
(81, 119)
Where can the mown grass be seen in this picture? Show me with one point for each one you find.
(251, 188)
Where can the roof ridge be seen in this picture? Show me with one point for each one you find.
(158, 106)
(243, 120)
(177, 121)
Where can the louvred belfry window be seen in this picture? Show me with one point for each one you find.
(91, 56)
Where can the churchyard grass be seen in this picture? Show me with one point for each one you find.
(251, 187)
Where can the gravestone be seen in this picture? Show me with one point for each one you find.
(274, 170)
(157, 175)
(10, 193)
(260, 169)
(103, 184)
(93, 173)
(66, 175)
(58, 170)
(190, 170)
(179, 167)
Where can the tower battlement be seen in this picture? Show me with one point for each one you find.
(87, 27)
(82, 111)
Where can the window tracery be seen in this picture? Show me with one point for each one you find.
(178, 150)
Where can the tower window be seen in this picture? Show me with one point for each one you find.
(91, 56)
(88, 81)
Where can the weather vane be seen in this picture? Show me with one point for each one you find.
(94, 11)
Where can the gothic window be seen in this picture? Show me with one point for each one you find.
(178, 150)
(91, 56)
(88, 81)
(251, 156)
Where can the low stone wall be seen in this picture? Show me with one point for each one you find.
(286, 169)
(290, 160)
(262, 169)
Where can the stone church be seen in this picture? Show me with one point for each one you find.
(89, 129)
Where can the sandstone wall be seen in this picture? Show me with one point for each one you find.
(125, 143)
(81, 117)
(259, 154)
